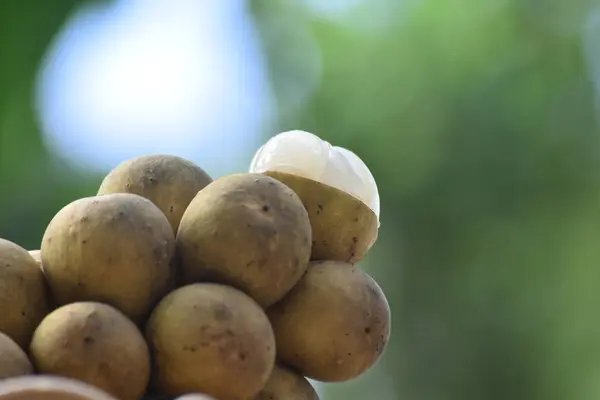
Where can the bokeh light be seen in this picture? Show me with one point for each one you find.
(181, 77)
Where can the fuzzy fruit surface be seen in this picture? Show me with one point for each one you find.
(249, 231)
(13, 360)
(170, 182)
(115, 248)
(213, 339)
(24, 298)
(285, 384)
(335, 323)
(343, 228)
(96, 344)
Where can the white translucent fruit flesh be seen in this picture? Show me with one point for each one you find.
(305, 154)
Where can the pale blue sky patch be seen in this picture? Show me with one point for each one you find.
(164, 76)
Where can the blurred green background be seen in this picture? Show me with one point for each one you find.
(478, 119)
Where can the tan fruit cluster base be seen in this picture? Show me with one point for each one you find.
(167, 283)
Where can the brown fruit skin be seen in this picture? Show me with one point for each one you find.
(334, 324)
(249, 231)
(168, 181)
(96, 344)
(213, 339)
(13, 360)
(49, 388)
(285, 384)
(24, 297)
(343, 227)
(116, 249)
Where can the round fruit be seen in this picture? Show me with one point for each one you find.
(284, 384)
(212, 339)
(336, 187)
(170, 182)
(343, 227)
(49, 388)
(334, 324)
(115, 248)
(303, 153)
(96, 344)
(13, 360)
(23, 294)
(249, 231)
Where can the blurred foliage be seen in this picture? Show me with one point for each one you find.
(33, 183)
(479, 122)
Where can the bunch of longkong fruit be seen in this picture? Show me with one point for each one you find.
(168, 284)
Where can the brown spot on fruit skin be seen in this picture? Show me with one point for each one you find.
(125, 261)
(249, 231)
(96, 344)
(222, 313)
(343, 227)
(340, 299)
(170, 182)
(232, 357)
